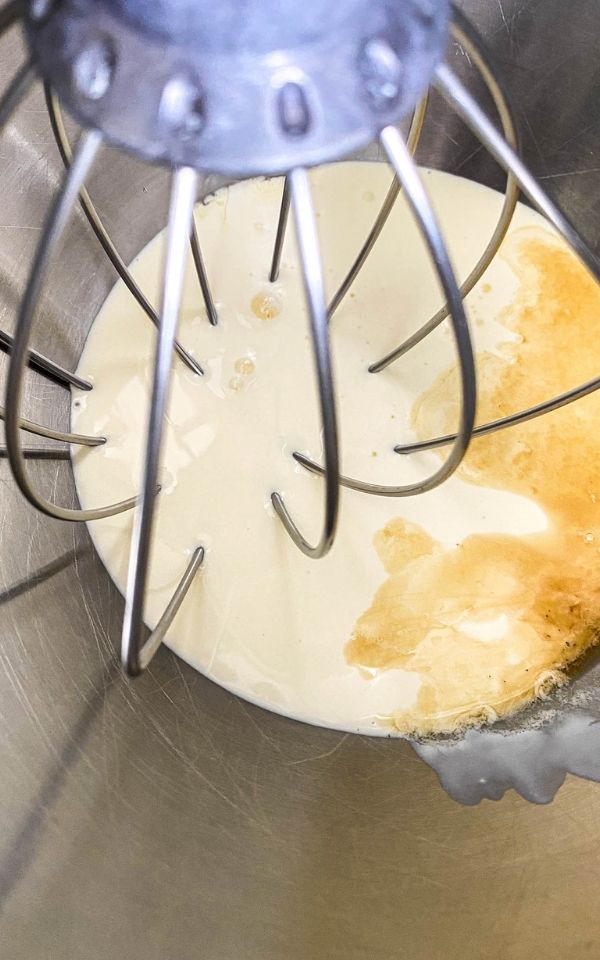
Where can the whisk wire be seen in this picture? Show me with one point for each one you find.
(66, 153)
(457, 95)
(312, 275)
(414, 136)
(40, 453)
(51, 233)
(16, 91)
(512, 420)
(134, 654)
(209, 303)
(42, 364)
(408, 176)
(30, 426)
(463, 33)
(157, 635)
(284, 212)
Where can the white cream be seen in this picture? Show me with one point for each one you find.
(261, 619)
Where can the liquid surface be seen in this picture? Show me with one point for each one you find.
(430, 612)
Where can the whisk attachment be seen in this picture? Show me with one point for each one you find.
(243, 96)
(410, 181)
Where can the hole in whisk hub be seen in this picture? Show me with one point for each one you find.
(381, 73)
(294, 113)
(94, 68)
(182, 107)
(40, 9)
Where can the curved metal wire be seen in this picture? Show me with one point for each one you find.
(14, 94)
(462, 33)
(312, 275)
(459, 98)
(209, 303)
(467, 107)
(157, 636)
(417, 198)
(30, 426)
(134, 655)
(64, 148)
(414, 136)
(523, 416)
(284, 213)
(50, 369)
(40, 453)
(51, 233)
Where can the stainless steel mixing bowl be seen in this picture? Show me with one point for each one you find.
(166, 818)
